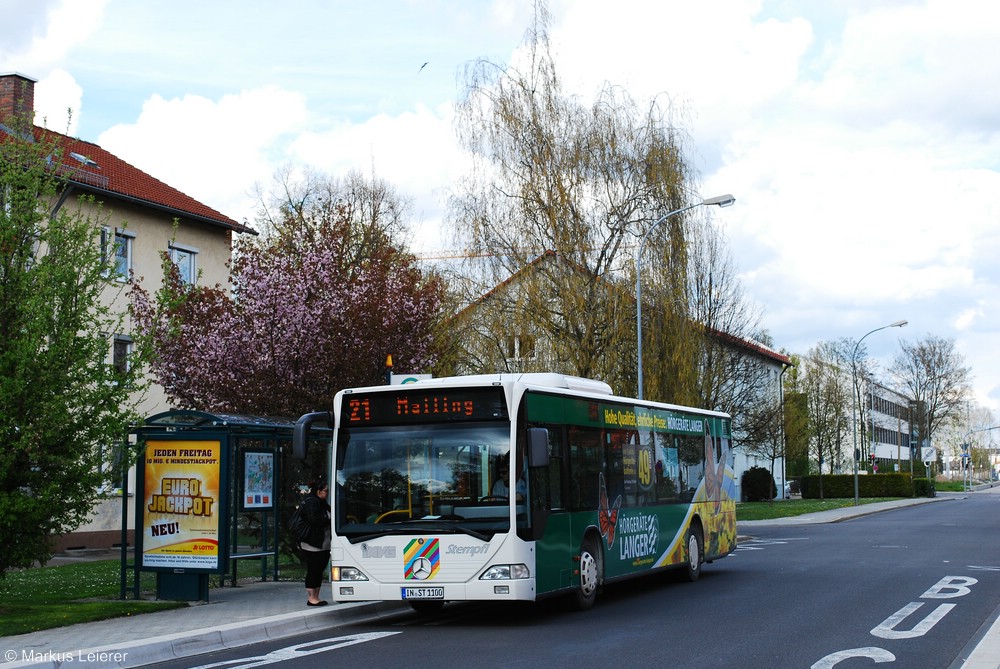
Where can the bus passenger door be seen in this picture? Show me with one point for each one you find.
(550, 518)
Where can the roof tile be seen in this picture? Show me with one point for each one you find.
(92, 167)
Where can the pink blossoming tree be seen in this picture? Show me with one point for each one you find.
(315, 305)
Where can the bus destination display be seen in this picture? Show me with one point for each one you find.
(403, 407)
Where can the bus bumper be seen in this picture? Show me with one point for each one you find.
(506, 590)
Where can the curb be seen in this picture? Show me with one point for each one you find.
(841, 514)
(223, 637)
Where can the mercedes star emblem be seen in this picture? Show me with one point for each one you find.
(421, 569)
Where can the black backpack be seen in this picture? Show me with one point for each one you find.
(298, 526)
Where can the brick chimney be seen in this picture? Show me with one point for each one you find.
(17, 97)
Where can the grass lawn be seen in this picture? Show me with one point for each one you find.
(37, 599)
(796, 507)
(47, 597)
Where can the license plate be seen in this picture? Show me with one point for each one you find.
(423, 593)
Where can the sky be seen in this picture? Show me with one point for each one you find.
(860, 138)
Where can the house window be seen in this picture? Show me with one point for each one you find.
(116, 246)
(185, 257)
(520, 347)
(526, 346)
(121, 350)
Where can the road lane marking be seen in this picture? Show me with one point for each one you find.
(298, 650)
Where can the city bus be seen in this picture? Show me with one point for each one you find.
(517, 487)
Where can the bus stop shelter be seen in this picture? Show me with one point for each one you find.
(208, 495)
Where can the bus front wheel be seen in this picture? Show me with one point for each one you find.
(591, 574)
(694, 547)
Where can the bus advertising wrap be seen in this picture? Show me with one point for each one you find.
(181, 505)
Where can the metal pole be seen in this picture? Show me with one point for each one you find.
(871, 432)
(854, 398)
(722, 201)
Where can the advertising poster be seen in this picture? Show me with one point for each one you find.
(182, 505)
(258, 480)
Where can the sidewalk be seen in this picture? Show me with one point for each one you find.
(272, 610)
(232, 617)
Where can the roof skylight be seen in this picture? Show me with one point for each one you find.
(84, 160)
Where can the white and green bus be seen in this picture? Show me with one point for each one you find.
(604, 488)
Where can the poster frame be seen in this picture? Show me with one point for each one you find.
(222, 504)
(243, 493)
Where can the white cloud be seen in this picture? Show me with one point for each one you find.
(214, 151)
(58, 100)
(36, 39)
(930, 61)
(968, 318)
(714, 56)
(415, 151)
(37, 36)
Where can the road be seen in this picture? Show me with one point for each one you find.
(908, 588)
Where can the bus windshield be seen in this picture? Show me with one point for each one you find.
(418, 478)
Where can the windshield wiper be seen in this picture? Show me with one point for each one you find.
(409, 526)
(451, 529)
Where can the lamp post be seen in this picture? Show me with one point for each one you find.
(854, 397)
(721, 201)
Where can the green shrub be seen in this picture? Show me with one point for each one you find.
(923, 487)
(871, 485)
(758, 485)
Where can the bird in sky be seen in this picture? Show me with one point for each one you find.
(422, 68)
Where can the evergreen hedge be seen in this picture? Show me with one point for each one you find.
(872, 485)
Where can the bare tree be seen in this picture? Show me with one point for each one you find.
(730, 377)
(974, 433)
(763, 430)
(933, 372)
(303, 203)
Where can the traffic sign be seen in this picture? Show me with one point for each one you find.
(928, 454)
(405, 379)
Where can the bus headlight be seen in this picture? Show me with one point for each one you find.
(347, 574)
(505, 572)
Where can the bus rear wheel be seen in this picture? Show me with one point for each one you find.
(693, 552)
(591, 574)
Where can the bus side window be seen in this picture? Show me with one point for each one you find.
(555, 468)
(692, 460)
(586, 467)
(614, 466)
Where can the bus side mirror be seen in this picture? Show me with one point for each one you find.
(538, 447)
(301, 431)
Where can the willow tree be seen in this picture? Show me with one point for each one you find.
(558, 194)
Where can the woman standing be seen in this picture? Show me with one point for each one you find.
(316, 546)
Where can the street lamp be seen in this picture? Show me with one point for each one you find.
(854, 397)
(721, 201)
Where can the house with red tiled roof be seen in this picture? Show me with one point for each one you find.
(143, 217)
